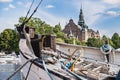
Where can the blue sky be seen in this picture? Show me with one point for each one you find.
(102, 15)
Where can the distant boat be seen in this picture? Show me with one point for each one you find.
(9, 59)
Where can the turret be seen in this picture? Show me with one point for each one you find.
(81, 19)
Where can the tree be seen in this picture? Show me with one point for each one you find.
(83, 43)
(104, 38)
(57, 28)
(9, 41)
(116, 40)
(40, 26)
(59, 40)
(93, 42)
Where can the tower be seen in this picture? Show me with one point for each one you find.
(81, 19)
(84, 35)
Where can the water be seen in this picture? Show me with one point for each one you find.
(8, 69)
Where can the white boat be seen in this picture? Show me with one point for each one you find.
(9, 59)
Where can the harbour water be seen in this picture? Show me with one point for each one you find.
(6, 69)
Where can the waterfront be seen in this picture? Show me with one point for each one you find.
(7, 69)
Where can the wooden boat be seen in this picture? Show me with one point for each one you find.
(47, 60)
(87, 63)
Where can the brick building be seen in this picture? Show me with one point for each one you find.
(80, 31)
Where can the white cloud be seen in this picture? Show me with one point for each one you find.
(11, 6)
(6, 9)
(19, 3)
(112, 13)
(6, 1)
(112, 1)
(49, 6)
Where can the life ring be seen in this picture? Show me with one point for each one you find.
(106, 50)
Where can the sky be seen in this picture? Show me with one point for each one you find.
(102, 15)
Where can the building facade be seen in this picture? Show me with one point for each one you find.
(80, 31)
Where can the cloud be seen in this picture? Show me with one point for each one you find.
(3, 1)
(109, 13)
(112, 13)
(19, 3)
(11, 6)
(49, 6)
(6, 9)
(112, 1)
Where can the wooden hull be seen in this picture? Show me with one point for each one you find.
(37, 71)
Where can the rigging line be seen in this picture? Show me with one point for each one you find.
(18, 69)
(23, 25)
(47, 70)
(33, 12)
(29, 10)
(28, 71)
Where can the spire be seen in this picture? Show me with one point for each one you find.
(81, 18)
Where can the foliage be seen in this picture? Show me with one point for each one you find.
(43, 28)
(116, 40)
(83, 43)
(57, 28)
(9, 41)
(40, 26)
(59, 40)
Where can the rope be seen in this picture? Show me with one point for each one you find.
(25, 21)
(28, 11)
(33, 12)
(47, 70)
(72, 73)
(28, 71)
(18, 69)
(81, 55)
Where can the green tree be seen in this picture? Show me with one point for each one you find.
(116, 40)
(59, 40)
(104, 38)
(83, 43)
(9, 41)
(57, 28)
(40, 26)
(93, 42)
(61, 35)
